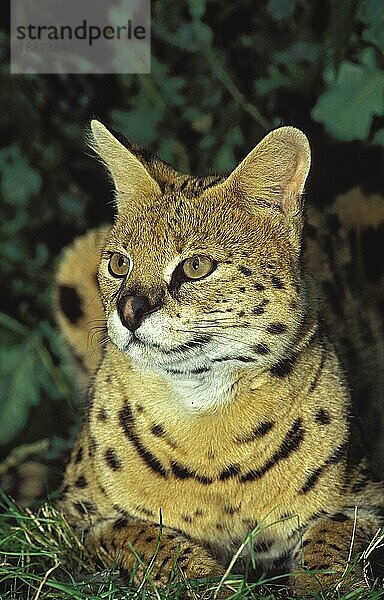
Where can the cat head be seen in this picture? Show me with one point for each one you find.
(198, 272)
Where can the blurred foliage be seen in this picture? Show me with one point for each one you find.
(223, 73)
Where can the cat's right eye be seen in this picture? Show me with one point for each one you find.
(118, 265)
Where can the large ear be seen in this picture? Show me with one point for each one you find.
(274, 172)
(133, 183)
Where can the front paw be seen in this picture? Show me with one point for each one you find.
(179, 559)
(304, 581)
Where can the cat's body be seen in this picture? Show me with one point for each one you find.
(220, 406)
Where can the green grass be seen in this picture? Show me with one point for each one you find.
(41, 558)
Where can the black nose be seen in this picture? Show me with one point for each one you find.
(133, 309)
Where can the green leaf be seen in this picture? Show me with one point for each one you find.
(19, 181)
(372, 13)
(196, 8)
(139, 124)
(378, 138)
(281, 9)
(352, 99)
(20, 382)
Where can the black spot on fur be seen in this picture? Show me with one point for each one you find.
(245, 271)
(81, 482)
(112, 459)
(340, 517)
(231, 510)
(277, 282)
(242, 290)
(157, 430)
(260, 308)
(322, 416)
(291, 443)
(127, 424)
(187, 518)
(70, 303)
(261, 349)
(259, 287)
(276, 328)
(284, 367)
(102, 414)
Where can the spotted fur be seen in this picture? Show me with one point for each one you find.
(226, 411)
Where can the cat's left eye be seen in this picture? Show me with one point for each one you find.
(118, 265)
(198, 267)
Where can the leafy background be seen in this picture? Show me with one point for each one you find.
(223, 73)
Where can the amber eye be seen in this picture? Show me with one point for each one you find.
(118, 265)
(198, 267)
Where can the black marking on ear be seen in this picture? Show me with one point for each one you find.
(70, 303)
(334, 459)
(261, 349)
(283, 367)
(112, 459)
(81, 482)
(290, 444)
(277, 282)
(276, 328)
(260, 308)
(85, 507)
(245, 271)
(257, 433)
(126, 420)
(322, 416)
